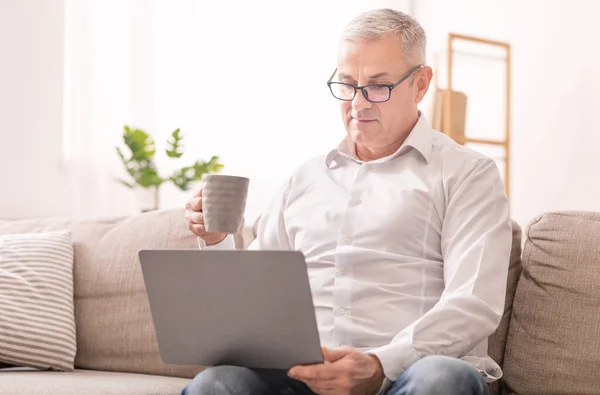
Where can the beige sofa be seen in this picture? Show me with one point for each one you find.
(548, 341)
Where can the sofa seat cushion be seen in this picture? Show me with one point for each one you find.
(88, 382)
(553, 344)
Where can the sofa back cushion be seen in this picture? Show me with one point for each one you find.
(553, 342)
(115, 331)
(497, 342)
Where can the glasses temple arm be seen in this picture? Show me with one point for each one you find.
(332, 75)
(405, 76)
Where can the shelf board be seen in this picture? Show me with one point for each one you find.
(463, 140)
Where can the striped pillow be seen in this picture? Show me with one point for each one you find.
(37, 322)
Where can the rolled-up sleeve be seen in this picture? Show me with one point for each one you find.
(228, 243)
(475, 244)
(271, 233)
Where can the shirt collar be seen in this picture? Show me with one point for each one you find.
(420, 139)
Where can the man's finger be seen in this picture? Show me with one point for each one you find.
(198, 230)
(196, 204)
(332, 355)
(313, 372)
(199, 193)
(195, 217)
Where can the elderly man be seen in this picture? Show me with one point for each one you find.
(406, 235)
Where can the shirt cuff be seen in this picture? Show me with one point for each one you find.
(397, 356)
(228, 243)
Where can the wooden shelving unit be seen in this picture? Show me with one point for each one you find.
(450, 98)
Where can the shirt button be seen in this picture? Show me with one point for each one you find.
(341, 311)
(347, 240)
(343, 272)
(355, 201)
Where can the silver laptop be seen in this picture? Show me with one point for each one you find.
(243, 308)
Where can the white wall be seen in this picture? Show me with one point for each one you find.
(31, 45)
(258, 97)
(161, 65)
(555, 93)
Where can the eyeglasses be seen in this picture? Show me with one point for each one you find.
(375, 93)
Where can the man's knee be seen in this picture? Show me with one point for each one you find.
(221, 380)
(443, 375)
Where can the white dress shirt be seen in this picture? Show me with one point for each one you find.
(407, 255)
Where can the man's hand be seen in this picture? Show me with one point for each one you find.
(195, 220)
(345, 372)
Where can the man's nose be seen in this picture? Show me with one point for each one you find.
(360, 102)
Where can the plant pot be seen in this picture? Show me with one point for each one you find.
(146, 199)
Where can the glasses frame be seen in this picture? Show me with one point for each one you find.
(362, 88)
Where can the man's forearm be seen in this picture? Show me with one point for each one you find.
(453, 328)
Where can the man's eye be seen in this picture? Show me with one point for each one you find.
(346, 88)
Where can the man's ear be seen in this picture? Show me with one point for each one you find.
(422, 83)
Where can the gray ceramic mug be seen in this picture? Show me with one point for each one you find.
(224, 202)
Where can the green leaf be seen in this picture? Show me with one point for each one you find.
(213, 165)
(120, 153)
(139, 137)
(148, 178)
(181, 178)
(173, 151)
(140, 144)
(127, 184)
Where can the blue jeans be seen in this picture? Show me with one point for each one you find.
(429, 376)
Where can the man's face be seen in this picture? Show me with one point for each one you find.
(375, 126)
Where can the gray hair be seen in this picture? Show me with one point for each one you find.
(377, 24)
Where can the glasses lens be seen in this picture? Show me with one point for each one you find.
(377, 93)
(342, 91)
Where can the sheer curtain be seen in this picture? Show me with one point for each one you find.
(107, 85)
(243, 80)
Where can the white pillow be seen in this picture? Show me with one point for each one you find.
(37, 320)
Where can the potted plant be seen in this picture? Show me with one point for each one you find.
(141, 166)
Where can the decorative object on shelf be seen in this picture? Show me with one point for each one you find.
(459, 113)
(450, 106)
(141, 166)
